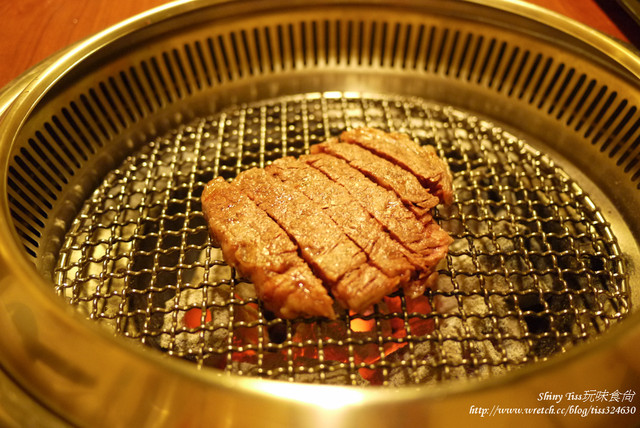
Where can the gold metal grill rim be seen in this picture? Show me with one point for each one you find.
(248, 401)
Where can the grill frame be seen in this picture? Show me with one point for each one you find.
(266, 402)
(138, 251)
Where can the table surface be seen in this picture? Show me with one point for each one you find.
(31, 30)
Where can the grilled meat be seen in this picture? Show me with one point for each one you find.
(261, 251)
(383, 172)
(323, 245)
(422, 161)
(351, 220)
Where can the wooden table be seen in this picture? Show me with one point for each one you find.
(31, 30)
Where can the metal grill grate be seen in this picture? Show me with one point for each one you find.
(534, 268)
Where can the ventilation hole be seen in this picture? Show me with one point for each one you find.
(441, 49)
(498, 62)
(25, 234)
(45, 143)
(590, 109)
(463, 55)
(148, 79)
(452, 52)
(523, 62)
(508, 67)
(372, 43)
(418, 48)
(171, 76)
(68, 137)
(628, 136)
(35, 179)
(337, 43)
(247, 51)
(582, 101)
(304, 42)
(487, 57)
(29, 251)
(112, 105)
(155, 67)
(203, 62)
(394, 45)
(30, 197)
(561, 91)
(179, 64)
(383, 44)
(25, 228)
(543, 75)
(291, 48)
(98, 103)
(236, 54)
(552, 82)
(120, 96)
(25, 214)
(39, 167)
(349, 41)
(144, 93)
(326, 45)
(192, 66)
(280, 46)
(74, 126)
(47, 160)
(407, 41)
(83, 120)
(29, 240)
(637, 173)
(617, 113)
(618, 129)
(532, 72)
(258, 49)
(267, 35)
(22, 218)
(85, 103)
(630, 150)
(474, 57)
(572, 95)
(361, 43)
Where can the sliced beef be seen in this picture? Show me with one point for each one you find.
(350, 221)
(332, 254)
(383, 252)
(429, 240)
(384, 173)
(422, 161)
(261, 251)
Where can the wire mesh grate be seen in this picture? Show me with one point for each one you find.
(533, 271)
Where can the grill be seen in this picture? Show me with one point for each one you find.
(115, 293)
(534, 270)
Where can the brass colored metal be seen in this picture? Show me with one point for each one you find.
(155, 106)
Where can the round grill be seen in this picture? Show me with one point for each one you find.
(106, 148)
(534, 269)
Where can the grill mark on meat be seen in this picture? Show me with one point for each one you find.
(385, 253)
(427, 240)
(422, 161)
(261, 251)
(332, 254)
(383, 172)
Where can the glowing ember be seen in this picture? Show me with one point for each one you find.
(373, 336)
(193, 317)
